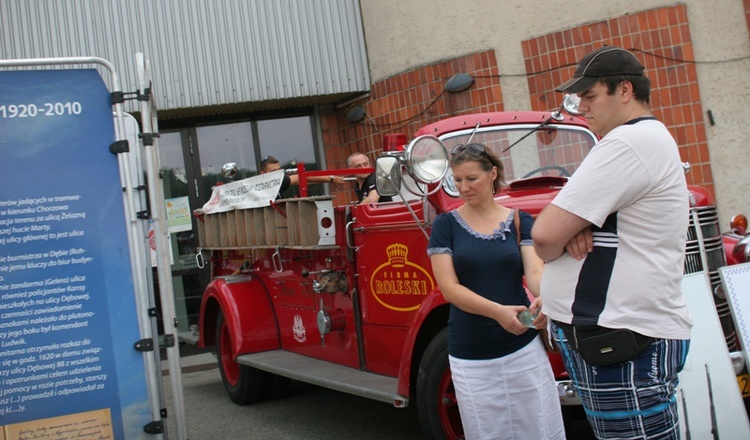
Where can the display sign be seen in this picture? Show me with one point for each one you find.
(68, 317)
(179, 217)
(736, 281)
(253, 192)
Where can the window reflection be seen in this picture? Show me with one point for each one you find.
(172, 165)
(219, 144)
(290, 140)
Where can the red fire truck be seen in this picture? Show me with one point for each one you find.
(344, 296)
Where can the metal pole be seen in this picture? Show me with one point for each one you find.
(163, 268)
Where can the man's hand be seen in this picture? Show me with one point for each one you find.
(337, 180)
(581, 245)
(553, 231)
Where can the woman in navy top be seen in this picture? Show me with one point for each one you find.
(503, 380)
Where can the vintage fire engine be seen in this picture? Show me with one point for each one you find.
(344, 296)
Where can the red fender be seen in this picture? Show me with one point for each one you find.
(434, 299)
(248, 313)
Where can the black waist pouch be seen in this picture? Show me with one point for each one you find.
(604, 346)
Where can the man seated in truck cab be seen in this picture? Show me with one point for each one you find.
(270, 163)
(366, 192)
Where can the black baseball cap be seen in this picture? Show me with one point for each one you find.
(605, 61)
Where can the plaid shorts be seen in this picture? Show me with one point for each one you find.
(633, 399)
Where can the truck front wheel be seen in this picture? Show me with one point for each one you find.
(243, 384)
(436, 399)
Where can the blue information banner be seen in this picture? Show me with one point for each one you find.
(68, 316)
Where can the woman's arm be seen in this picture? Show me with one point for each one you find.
(533, 266)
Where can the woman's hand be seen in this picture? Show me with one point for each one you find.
(540, 321)
(507, 317)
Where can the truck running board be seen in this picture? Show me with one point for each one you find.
(326, 374)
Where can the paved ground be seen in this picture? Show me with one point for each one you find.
(310, 412)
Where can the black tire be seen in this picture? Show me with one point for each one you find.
(436, 400)
(277, 386)
(244, 384)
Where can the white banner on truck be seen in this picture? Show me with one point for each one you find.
(253, 192)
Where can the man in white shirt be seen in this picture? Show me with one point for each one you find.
(613, 240)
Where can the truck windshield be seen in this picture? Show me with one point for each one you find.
(552, 151)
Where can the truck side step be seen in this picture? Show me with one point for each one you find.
(326, 374)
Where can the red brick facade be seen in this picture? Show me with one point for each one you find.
(406, 102)
(660, 38)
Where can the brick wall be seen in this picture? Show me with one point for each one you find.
(660, 38)
(406, 102)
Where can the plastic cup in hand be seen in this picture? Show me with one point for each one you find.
(527, 318)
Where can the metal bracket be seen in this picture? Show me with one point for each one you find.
(148, 139)
(146, 95)
(155, 427)
(153, 312)
(121, 97)
(169, 340)
(144, 345)
(278, 265)
(120, 146)
(117, 98)
(199, 261)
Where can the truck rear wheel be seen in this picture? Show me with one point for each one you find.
(243, 384)
(436, 399)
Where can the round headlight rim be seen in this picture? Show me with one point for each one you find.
(741, 250)
(413, 167)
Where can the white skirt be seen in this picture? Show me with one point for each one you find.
(513, 397)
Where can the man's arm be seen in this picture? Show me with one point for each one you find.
(554, 229)
(336, 180)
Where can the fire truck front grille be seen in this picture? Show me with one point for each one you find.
(705, 240)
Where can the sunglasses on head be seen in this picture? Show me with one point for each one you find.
(471, 149)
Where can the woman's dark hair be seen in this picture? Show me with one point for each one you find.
(486, 159)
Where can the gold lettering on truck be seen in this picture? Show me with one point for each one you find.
(399, 284)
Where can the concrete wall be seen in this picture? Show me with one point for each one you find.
(405, 35)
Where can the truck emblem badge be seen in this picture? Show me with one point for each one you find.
(399, 284)
(298, 328)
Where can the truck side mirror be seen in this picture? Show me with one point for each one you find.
(425, 159)
(388, 175)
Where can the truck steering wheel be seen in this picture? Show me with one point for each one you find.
(563, 171)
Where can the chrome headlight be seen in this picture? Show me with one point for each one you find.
(738, 361)
(741, 251)
(426, 159)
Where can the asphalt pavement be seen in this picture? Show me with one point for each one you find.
(309, 413)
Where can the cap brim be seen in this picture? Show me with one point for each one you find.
(577, 85)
